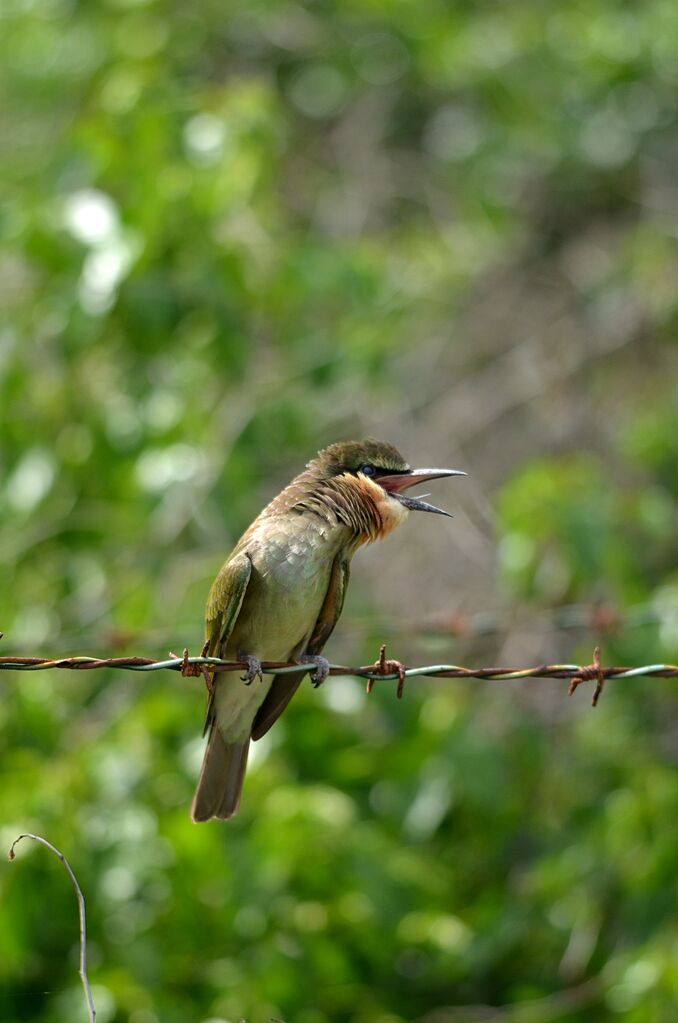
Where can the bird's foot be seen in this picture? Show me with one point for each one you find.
(253, 669)
(322, 667)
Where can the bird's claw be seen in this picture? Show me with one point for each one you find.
(322, 667)
(253, 669)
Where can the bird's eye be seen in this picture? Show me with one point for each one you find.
(367, 470)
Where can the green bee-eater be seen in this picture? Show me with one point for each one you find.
(280, 593)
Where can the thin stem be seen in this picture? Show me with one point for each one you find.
(81, 912)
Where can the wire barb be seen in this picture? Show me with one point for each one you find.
(192, 668)
(390, 667)
(587, 674)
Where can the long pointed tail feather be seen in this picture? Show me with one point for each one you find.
(221, 778)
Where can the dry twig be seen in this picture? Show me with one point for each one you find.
(82, 971)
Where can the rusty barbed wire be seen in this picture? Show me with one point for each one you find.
(382, 670)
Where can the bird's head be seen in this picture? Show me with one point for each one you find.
(377, 472)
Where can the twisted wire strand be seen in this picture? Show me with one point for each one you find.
(375, 672)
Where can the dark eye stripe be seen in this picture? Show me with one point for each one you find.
(379, 470)
(374, 470)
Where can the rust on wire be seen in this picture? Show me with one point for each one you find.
(384, 667)
(587, 674)
(193, 669)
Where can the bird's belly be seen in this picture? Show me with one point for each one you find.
(236, 705)
(275, 621)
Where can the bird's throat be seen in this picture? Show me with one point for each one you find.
(369, 511)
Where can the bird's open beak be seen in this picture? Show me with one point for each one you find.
(395, 483)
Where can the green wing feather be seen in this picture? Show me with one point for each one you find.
(223, 607)
(225, 600)
(332, 605)
(285, 686)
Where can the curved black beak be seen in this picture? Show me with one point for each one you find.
(395, 483)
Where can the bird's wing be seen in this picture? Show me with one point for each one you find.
(285, 686)
(223, 608)
(225, 601)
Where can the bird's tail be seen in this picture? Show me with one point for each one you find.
(221, 778)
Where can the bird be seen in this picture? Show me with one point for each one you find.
(280, 593)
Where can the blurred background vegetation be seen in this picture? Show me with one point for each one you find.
(232, 233)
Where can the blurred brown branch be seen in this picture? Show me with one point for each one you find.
(538, 1010)
(600, 617)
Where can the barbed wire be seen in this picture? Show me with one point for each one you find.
(382, 670)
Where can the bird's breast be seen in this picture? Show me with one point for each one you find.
(291, 566)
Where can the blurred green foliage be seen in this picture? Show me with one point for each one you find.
(229, 235)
